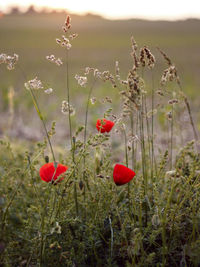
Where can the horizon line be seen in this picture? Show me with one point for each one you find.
(46, 9)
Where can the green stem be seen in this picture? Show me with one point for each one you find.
(40, 115)
(189, 111)
(171, 143)
(152, 128)
(43, 123)
(68, 97)
(132, 143)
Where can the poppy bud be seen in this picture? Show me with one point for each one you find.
(47, 172)
(122, 174)
(104, 125)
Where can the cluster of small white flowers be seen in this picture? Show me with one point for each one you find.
(48, 91)
(66, 108)
(64, 42)
(55, 60)
(34, 84)
(82, 80)
(88, 70)
(9, 60)
(97, 74)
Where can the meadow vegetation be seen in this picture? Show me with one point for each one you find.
(93, 214)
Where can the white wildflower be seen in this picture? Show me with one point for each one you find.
(66, 108)
(48, 91)
(9, 60)
(97, 74)
(51, 58)
(55, 60)
(34, 84)
(82, 80)
(88, 70)
(58, 62)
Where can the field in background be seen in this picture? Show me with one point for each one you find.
(100, 43)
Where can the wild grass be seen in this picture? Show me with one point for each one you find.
(86, 219)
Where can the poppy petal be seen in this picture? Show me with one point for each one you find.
(122, 174)
(47, 171)
(104, 125)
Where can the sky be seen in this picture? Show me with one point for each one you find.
(119, 9)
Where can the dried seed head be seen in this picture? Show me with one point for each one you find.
(107, 76)
(142, 57)
(68, 20)
(169, 74)
(136, 60)
(134, 44)
(150, 57)
(165, 57)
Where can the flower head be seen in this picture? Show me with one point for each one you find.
(122, 174)
(47, 172)
(9, 60)
(82, 80)
(104, 125)
(67, 108)
(34, 84)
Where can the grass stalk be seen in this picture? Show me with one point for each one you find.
(152, 126)
(171, 137)
(68, 97)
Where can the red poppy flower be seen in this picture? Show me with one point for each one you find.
(122, 174)
(48, 169)
(104, 125)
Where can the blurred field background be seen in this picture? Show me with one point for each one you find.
(100, 43)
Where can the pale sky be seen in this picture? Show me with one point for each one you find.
(150, 9)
